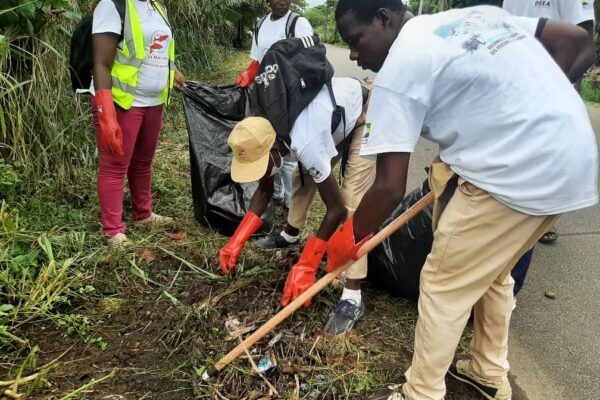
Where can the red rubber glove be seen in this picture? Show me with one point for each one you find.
(229, 254)
(302, 276)
(341, 247)
(246, 78)
(111, 135)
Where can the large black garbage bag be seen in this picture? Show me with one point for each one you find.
(211, 112)
(395, 265)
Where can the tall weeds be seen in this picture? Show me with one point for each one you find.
(45, 130)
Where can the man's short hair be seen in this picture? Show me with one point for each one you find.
(365, 10)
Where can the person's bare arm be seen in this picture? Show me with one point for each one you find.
(571, 46)
(261, 198)
(336, 211)
(384, 196)
(105, 48)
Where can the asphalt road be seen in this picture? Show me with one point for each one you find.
(554, 344)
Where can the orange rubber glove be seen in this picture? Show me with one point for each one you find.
(341, 247)
(302, 276)
(246, 78)
(111, 135)
(229, 254)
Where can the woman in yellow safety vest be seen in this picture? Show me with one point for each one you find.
(134, 71)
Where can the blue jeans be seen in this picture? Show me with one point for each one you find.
(519, 272)
(283, 182)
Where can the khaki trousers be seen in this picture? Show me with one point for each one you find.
(477, 242)
(359, 176)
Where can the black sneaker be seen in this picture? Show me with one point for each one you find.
(347, 312)
(491, 390)
(274, 241)
(392, 392)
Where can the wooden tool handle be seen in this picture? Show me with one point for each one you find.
(318, 286)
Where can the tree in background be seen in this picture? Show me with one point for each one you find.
(322, 19)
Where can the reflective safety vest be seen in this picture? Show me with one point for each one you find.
(130, 56)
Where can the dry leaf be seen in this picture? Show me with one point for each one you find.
(148, 255)
(551, 295)
(177, 236)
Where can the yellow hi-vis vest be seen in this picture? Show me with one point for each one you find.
(129, 58)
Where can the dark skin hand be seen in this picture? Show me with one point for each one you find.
(328, 189)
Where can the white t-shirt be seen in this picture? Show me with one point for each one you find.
(274, 31)
(153, 76)
(504, 114)
(571, 11)
(313, 143)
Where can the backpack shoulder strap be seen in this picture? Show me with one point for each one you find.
(290, 25)
(339, 113)
(257, 28)
(120, 5)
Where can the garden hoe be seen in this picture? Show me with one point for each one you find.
(317, 287)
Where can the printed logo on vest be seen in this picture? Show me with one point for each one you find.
(267, 76)
(158, 42)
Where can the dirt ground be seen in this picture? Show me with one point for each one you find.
(159, 346)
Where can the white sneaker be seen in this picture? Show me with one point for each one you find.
(153, 220)
(119, 240)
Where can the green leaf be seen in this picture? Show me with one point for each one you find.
(171, 297)
(135, 270)
(6, 309)
(3, 50)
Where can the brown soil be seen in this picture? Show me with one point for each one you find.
(159, 349)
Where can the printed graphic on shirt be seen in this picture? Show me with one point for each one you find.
(366, 133)
(474, 32)
(586, 4)
(544, 3)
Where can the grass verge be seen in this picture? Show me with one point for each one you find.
(80, 321)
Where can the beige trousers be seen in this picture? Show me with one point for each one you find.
(359, 176)
(477, 242)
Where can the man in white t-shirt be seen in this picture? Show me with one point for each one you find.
(576, 12)
(256, 158)
(571, 11)
(517, 150)
(280, 23)
(273, 29)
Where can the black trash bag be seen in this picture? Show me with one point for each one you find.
(211, 112)
(395, 265)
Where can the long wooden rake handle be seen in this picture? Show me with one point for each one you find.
(317, 287)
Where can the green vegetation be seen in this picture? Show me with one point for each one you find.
(322, 19)
(590, 91)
